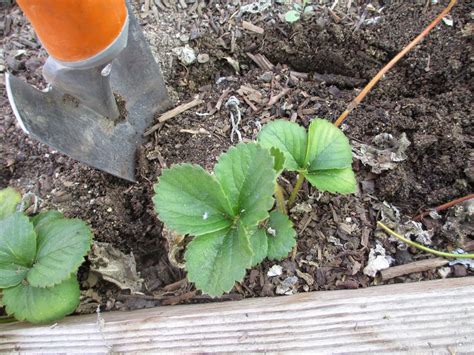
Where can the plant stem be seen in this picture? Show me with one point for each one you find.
(443, 206)
(296, 189)
(422, 247)
(390, 64)
(280, 199)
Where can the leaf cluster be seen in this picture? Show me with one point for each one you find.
(298, 11)
(223, 212)
(322, 155)
(39, 257)
(229, 212)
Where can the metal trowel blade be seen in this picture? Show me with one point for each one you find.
(64, 123)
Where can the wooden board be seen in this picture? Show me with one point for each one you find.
(426, 317)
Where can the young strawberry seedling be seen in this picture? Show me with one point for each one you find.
(322, 155)
(228, 213)
(39, 257)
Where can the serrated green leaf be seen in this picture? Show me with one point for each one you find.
(191, 201)
(292, 16)
(259, 245)
(12, 274)
(281, 236)
(309, 10)
(40, 305)
(279, 160)
(9, 199)
(337, 181)
(61, 246)
(288, 137)
(247, 177)
(217, 260)
(17, 248)
(328, 147)
(45, 217)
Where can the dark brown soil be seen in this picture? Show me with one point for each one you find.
(427, 95)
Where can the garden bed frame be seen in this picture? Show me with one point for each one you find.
(421, 317)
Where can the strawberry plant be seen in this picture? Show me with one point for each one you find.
(229, 213)
(39, 257)
(322, 155)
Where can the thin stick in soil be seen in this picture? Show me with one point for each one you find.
(390, 64)
(174, 112)
(443, 207)
(410, 268)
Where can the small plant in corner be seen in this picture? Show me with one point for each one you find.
(39, 257)
(299, 11)
(229, 213)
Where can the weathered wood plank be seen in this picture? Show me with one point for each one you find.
(435, 316)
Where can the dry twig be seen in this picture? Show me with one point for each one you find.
(443, 207)
(251, 27)
(174, 112)
(390, 64)
(410, 268)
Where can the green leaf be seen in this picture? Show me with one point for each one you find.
(247, 177)
(259, 245)
(337, 181)
(45, 217)
(12, 274)
(40, 305)
(191, 201)
(9, 199)
(17, 248)
(279, 160)
(290, 138)
(217, 260)
(62, 244)
(328, 147)
(292, 16)
(281, 236)
(309, 10)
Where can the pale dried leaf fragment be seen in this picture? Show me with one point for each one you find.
(275, 270)
(384, 154)
(377, 261)
(288, 286)
(115, 267)
(175, 245)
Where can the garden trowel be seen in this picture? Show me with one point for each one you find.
(104, 85)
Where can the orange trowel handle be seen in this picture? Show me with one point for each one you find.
(74, 30)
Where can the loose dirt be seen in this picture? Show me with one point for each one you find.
(323, 61)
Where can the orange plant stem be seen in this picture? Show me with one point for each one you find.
(390, 64)
(444, 206)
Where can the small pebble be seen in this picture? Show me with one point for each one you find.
(186, 55)
(266, 77)
(460, 270)
(203, 58)
(184, 38)
(444, 272)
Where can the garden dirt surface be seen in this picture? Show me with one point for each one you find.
(312, 68)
